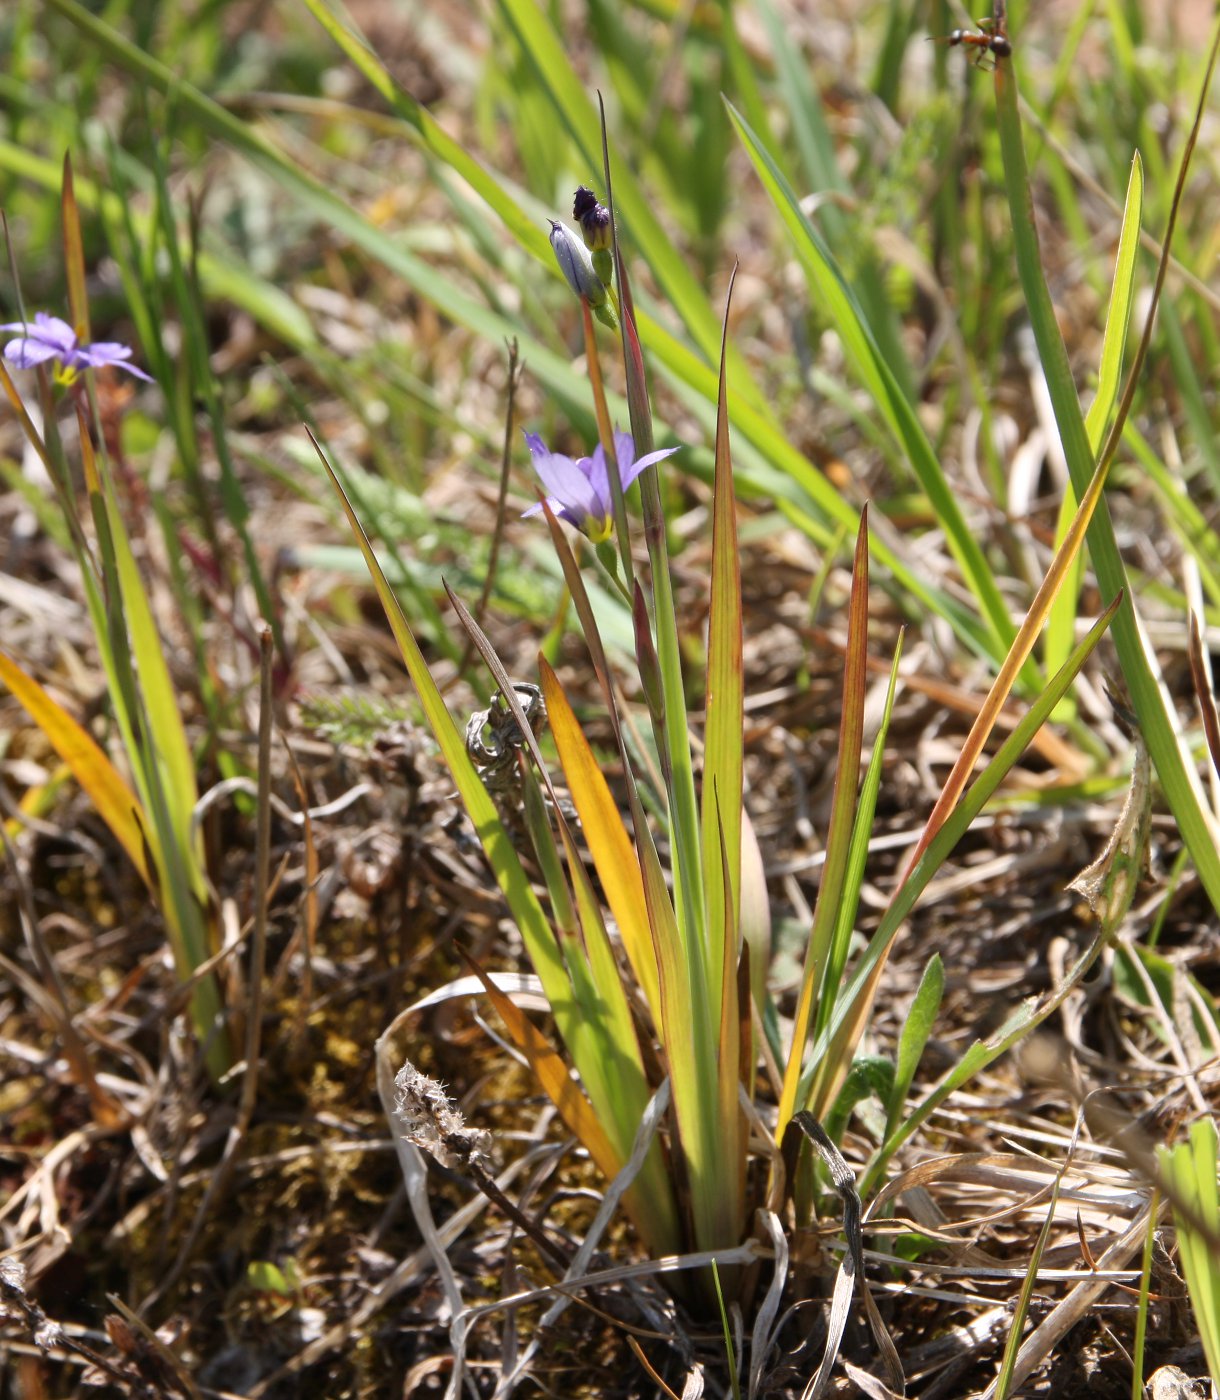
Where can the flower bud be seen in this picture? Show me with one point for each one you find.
(593, 218)
(582, 275)
(576, 264)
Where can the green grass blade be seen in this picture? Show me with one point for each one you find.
(915, 1032)
(1141, 1314)
(1190, 1181)
(1003, 1383)
(839, 304)
(850, 1014)
(1061, 625)
(725, 703)
(177, 858)
(505, 864)
(166, 736)
(687, 1033)
(614, 1070)
(803, 109)
(669, 716)
(1176, 772)
(838, 840)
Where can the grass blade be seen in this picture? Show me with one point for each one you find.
(915, 1032)
(1061, 625)
(116, 804)
(851, 1011)
(838, 839)
(535, 929)
(1176, 772)
(870, 367)
(725, 705)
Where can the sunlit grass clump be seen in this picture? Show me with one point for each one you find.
(685, 958)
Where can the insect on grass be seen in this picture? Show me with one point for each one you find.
(989, 41)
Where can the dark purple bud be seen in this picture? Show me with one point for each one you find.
(593, 218)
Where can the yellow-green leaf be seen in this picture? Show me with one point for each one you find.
(613, 854)
(552, 1073)
(116, 804)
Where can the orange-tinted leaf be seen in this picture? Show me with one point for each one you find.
(1021, 647)
(611, 848)
(74, 256)
(116, 804)
(552, 1073)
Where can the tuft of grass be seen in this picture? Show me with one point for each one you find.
(155, 823)
(1190, 1175)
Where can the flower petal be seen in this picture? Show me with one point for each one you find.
(537, 447)
(25, 354)
(555, 505)
(564, 479)
(624, 450)
(646, 461)
(54, 332)
(597, 469)
(105, 352)
(109, 352)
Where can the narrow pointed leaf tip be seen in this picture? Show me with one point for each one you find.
(579, 488)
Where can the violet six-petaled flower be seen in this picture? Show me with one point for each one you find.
(579, 488)
(49, 338)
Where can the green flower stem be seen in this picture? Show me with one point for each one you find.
(605, 432)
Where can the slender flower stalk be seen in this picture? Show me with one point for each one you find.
(605, 435)
(50, 339)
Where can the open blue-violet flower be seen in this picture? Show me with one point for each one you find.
(579, 488)
(49, 338)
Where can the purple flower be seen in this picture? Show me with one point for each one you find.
(52, 339)
(580, 488)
